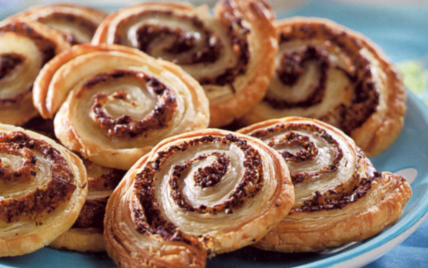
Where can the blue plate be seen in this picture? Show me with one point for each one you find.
(406, 155)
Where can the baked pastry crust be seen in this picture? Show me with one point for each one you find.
(208, 191)
(80, 239)
(43, 187)
(117, 103)
(340, 198)
(329, 72)
(87, 232)
(24, 48)
(231, 55)
(77, 23)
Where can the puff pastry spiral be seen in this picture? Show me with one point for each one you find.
(43, 186)
(87, 232)
(115, 103)
(231, 55)
(204, 191)
(78, 24)
(24, 48)
(340, 197)
(331, 73)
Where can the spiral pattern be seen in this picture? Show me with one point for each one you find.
(43, 187)
(335, 186)
(24, 48)
(331, 73)
(76, 23)
(87, 231)
(120, 102)
(204, 190)
(231, 55)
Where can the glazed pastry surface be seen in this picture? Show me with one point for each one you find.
(24, 48)
(116, 102)
(231, 55)
(76, 23)
(340, 197)
(202, 192)
(326, 71)
(43, 186)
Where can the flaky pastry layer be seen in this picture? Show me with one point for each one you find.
(326, 71)
(203, 192)
(43, 187)
(76, 23)
(231, 54)
(117, 102)
(24, 48)
(340, 197)
(86, 235)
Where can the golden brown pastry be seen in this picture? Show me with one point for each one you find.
(87, 232)
(43, 186)
(204, 192)
(115, 103)
(231, 55)
(328, 72)
(24, 48)
(77, 23)
(340, 197)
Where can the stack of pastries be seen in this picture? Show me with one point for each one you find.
(111, 148)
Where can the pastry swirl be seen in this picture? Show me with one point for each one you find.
(43, 188)
(24, 48)
(340, 197)
(120, 102)
(207, 191)
(230, 55)
(78, 24)
(331, 73)
(87, 232)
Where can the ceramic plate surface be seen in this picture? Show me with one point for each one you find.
(406, 156)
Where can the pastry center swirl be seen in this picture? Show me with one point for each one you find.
(45, 46)
(289, 139)
(336, 200)
(19, 69)
(308, 146)
(181, 42)
(189, 41)
(73, 23)
(292, 67)
(105, 112)
(208, 176)
(327, 52)
(211, 175)
(309, 150)
(8, 62)
(44, 199)
(22, 174)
